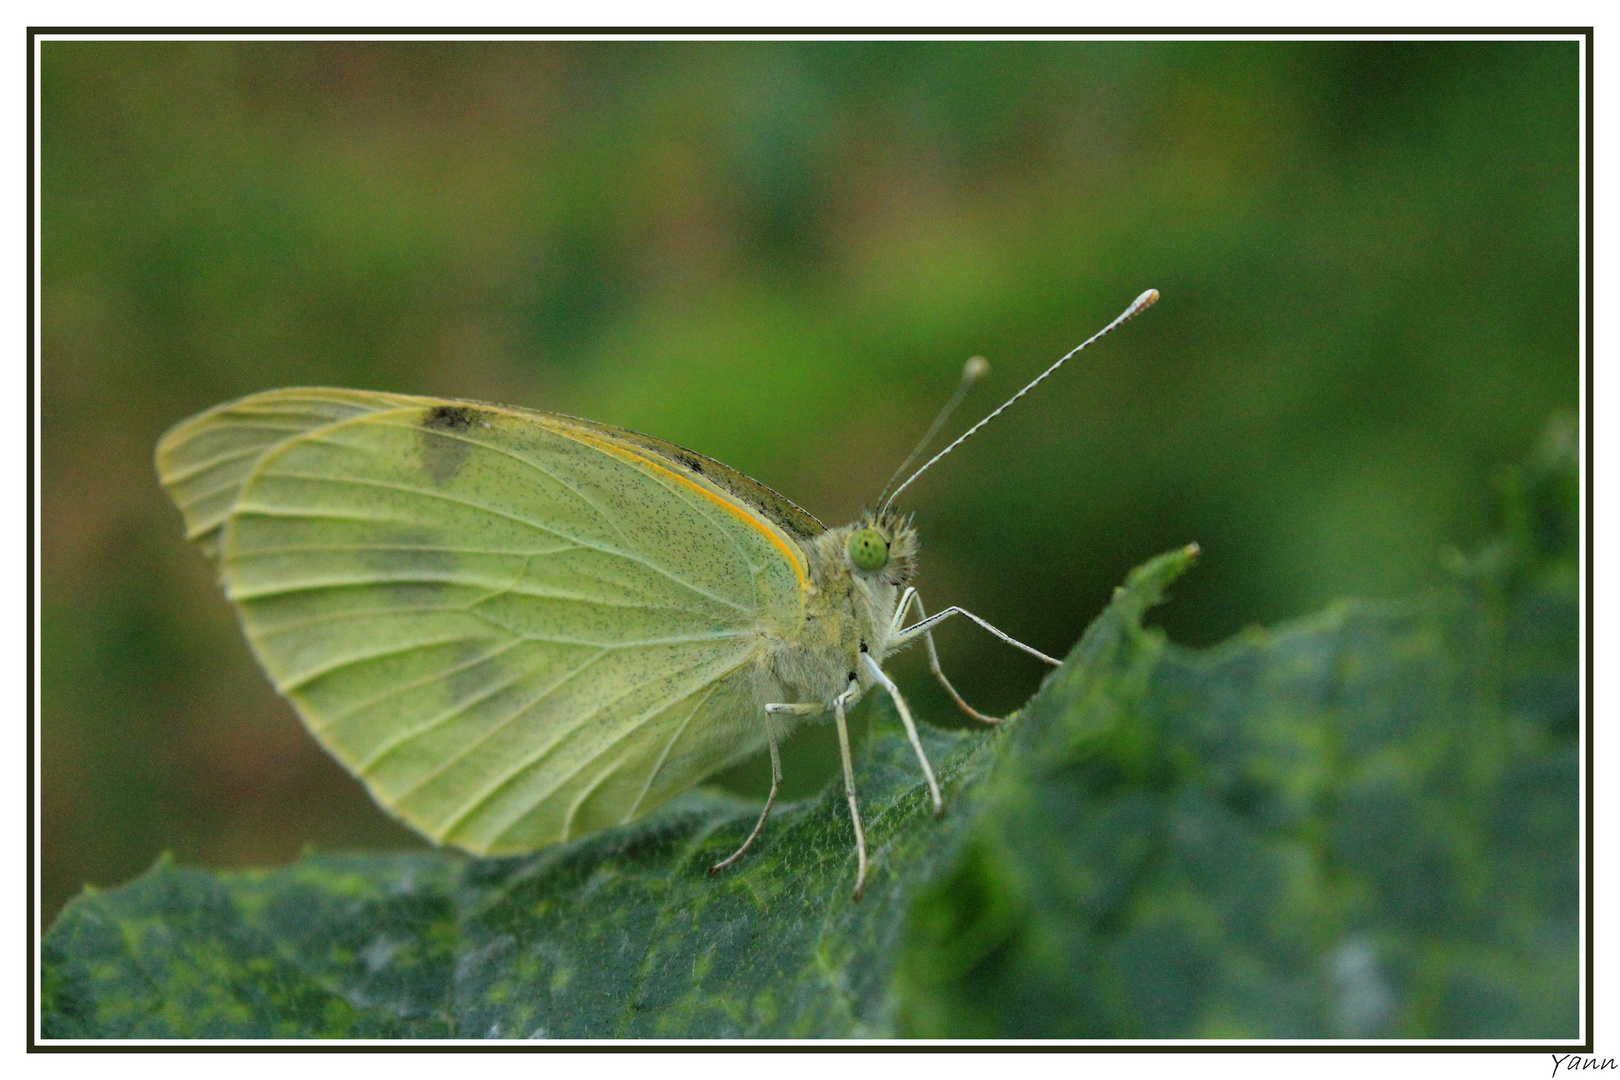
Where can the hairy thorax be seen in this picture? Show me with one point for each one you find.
(845, 608)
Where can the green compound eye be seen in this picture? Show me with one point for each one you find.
(868, 550)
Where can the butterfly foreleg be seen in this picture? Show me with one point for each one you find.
(839, 704)
(798, 709)
(870, 666)
(908, 598)
(922, 626)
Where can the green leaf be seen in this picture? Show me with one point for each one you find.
(621, 935)
(1358, 824)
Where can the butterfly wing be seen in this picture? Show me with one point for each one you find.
(513, 627)
(782, 511)
(203, 461)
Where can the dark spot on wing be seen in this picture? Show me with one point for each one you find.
(691, 461)
(450, 418)
(443, 451)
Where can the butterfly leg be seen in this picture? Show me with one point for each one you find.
(870, 666)
(839, 703)
(908, 598)
(922, 626)
(776, 777)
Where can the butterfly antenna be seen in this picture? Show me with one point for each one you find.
(975, 369)
(1139, 305)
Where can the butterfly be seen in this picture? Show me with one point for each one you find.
(518, 627)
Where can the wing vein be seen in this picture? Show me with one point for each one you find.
(684, 495)
(638, 643)
(588, 500)
(309, 677)
(516, 770)
(415, 684)
(290, 549)
(181, 475)
(442, 496)
(490, 734)
(460, 708)
(664, 755)
(573, 807)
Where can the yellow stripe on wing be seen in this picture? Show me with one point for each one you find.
(744, 514)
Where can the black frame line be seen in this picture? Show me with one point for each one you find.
(34, 1045)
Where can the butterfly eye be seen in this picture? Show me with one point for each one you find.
(868, 550)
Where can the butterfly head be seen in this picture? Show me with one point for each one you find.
(883, 546)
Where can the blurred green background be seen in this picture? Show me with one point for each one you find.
(780, 254)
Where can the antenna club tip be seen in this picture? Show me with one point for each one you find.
(975, 369)
(1146, 300)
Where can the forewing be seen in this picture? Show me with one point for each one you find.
(782, 511)
(203, 460)
(511, 633)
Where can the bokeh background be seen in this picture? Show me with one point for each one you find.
(780, 254)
